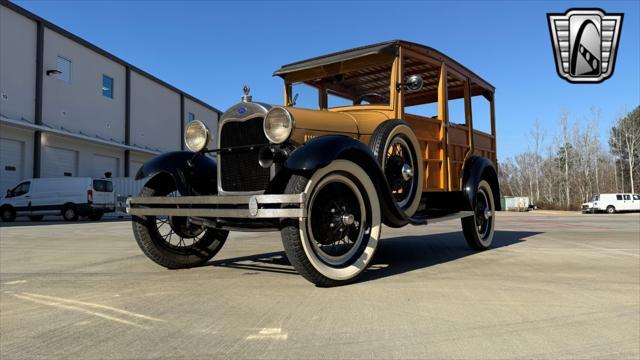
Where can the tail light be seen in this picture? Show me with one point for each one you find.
(89, 196)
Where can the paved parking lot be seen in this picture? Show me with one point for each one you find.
(554, 286)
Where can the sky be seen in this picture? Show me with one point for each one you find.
(210, 49)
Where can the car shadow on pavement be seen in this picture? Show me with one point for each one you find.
(407, 253)
(394, 255)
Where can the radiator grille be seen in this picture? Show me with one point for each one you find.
(239, 170)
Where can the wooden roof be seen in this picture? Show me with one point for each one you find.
(365, 67)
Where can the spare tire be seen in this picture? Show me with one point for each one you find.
(395, 146)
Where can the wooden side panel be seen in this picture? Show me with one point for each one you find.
(485, 145)
(427, 131)
(458, 149)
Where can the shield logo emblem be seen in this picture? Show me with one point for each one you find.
(585, 43)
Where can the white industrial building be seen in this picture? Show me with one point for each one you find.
(69, 108)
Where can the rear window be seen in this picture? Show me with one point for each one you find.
(102, 185)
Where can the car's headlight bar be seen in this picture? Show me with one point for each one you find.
(197, 136)
(278, 125)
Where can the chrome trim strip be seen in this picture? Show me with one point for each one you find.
(216, 200)
(221, 213)
(252, 202)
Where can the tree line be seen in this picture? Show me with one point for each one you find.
(566, 168)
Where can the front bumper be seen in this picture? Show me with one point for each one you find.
(220, 206)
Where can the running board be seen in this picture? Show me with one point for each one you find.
(423, 219)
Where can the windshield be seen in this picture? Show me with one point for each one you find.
(595, 198)
(369, 85)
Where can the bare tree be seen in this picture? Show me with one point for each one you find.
(537, 136)
(624, 141)
(564, 128)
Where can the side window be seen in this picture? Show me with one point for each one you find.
(618, 197)
(456, 112)
(455, 87)
(21, 189)
(627, 197)
(429, 110)
(63, 65)
(307, 96)
(481, 113)
(102, 185)
(636, 197)
(191, 117)
(107, 86)
(334, 100)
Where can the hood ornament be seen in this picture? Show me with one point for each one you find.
(246, 97)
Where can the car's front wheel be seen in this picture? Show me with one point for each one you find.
(172, 241)
(337, 239)
(7, 213)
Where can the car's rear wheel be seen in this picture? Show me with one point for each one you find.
(337, 240)
(478, 229)
(172, 241)
(7, 214)
(70, 212)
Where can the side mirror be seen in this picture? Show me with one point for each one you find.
(414, 83)
(8, 193)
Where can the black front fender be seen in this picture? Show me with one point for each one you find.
(477, 168)
(193, 174)
(321, 151)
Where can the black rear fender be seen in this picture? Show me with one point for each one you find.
(477, 168)
(321, 151)
(192, 174)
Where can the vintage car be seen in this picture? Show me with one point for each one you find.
(328, 176)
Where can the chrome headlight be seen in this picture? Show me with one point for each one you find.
(278, 125)
(196, 136)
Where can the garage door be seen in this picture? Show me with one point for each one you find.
(59, 162)
(11, 163)
(135, 166)
(102, 164)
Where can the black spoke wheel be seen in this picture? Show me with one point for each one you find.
(172, 241)
(479, 228)
(336, 241)
(337, 216)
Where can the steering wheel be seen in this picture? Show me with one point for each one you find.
(368, 97)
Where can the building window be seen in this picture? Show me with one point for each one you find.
(64, 69)
(107, 86)
(191, 117)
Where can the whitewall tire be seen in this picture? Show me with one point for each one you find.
(337, 240)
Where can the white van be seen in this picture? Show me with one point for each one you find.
(70, 197)
(612, 203)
